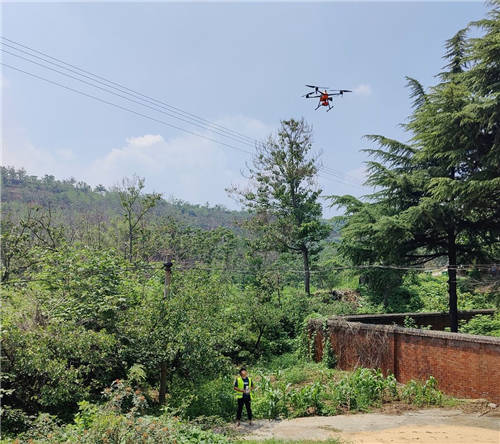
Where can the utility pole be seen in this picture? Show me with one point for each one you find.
(167, 266)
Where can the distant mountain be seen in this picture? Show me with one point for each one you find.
(19, 189)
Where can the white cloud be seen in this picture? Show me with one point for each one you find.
(188, 167)
(18, 151)
(185, 166)
(363, 90)
(146, 140)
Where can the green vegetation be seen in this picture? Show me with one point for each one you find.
(482, 325)
(437, 196)
(101, 345)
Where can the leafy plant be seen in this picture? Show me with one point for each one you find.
(329, 356)
(421, 394)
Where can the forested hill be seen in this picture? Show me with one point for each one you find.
(20, 189)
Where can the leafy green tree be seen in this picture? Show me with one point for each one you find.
(18, 252)
(437, 196)
(89, 287)
(186, 335)
(50, 365)
(135, 206)
(283, 196)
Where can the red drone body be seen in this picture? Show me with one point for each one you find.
(325, 97)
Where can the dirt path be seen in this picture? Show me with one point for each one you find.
(430, 426)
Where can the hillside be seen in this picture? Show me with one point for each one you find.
(20, 189)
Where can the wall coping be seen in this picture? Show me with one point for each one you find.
(417, 314)
(436, 334)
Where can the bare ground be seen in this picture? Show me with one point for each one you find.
(429, 426)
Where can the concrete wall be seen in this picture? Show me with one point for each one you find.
(465, 366)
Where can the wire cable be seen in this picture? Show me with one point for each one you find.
(326, 173)
(154, 108)
(125, 108)
(124, 89)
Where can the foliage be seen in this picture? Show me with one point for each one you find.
(437, 194)
(51, 367)
(329, 356)
(421, 394)
(113, 422)
(327, 392)
(284, 204)
(482, 325)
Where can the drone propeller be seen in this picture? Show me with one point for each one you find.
(340, 91)
(317, 87)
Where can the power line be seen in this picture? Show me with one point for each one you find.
(122, 88)
(462, 267)
(126, 98)
(124, 108)
(343, 175)
(326, 173)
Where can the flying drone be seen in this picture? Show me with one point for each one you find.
(325, 95)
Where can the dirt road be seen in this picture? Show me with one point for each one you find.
(429, 426)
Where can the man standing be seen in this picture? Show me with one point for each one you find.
(243, 387)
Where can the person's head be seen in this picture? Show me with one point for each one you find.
(243, 372)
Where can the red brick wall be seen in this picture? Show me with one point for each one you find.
(466, 366)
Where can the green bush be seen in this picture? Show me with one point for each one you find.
(482, 325)
(307, 400)
(212, 398)
(362, 389)
(271, 400)
(115, 423)
(359, 390)
(421, 394)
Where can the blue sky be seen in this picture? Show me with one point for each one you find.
(243, 66)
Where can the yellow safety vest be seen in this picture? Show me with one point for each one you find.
(241, 386)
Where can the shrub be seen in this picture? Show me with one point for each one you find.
(421, 394)
(307, 400)
(361, 389)
(271, 401)
(213, 398)
(482, 325)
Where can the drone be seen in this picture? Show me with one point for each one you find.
(325, 95)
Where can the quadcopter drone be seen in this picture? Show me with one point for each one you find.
(326, 96)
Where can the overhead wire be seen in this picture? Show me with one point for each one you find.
(192, 119)
(154, 108)
(122, 88)
(180, 267)
(124, 108)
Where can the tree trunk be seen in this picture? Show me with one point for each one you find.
(307, 273)
(163, 383)
(130, 235)
(452, 280)
(257, 344)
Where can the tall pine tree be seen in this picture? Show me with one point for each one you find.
(439, 194)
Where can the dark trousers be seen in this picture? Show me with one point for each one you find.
(245, 401)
